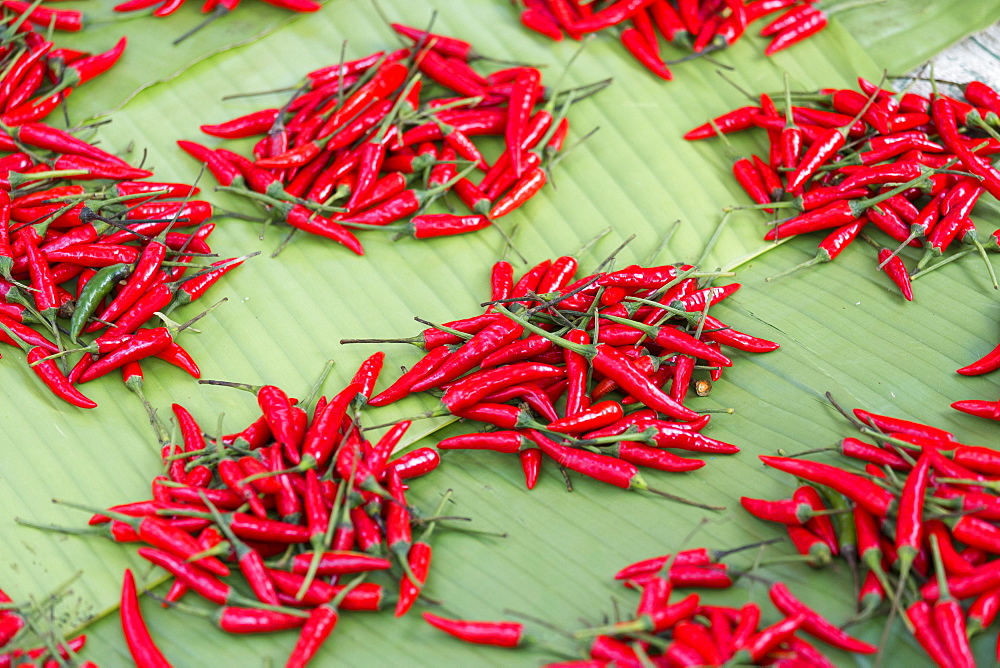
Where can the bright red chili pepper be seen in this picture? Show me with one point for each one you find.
(144, 651)
(501, 634)
(859, 489)
(50, 374)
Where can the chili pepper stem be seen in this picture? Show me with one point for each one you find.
(937, 265)
(986, 260)
(216, 13)
(587, 351)
(58, 529)
(253, 389)
(238, 600)
(716, 235)
(638, 483)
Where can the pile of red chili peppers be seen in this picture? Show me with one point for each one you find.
(16, 619)
(702, 26)
(37, 77)
(683, 632)
(295, 501)
(541, 365)
(167, 7)
(86, 247)
(910, 166)
(369, 144)
(921, 517)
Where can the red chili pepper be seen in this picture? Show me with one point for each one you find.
(416, 463)
(644, 51)
(891, 424)
(983, 611)
(523, 190)
(814, 624)
(145, 343)
(894, 267)
(657, 621)
(862, 491)
(924, 630)
(501, 634)
(470, 354)
(476, 387)
(807, 24)
(733, 121)
(200, 581)
(980, 408)
(954, 563)
(50, 374)
(67, 20)
(144, 651)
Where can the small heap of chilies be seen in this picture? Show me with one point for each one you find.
(37, 77)
(922, 516)
(540, 366)
(14, 626)
(701, 26)
(684, 632)
(369, 144)
(168, 7)
(86, 247)
(294, 502)
(911, 166)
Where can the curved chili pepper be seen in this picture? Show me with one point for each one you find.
(144, 651)
(813, 623)
(891, 424)
(861, 490)
(48, 371)
(501, 634)
(894, 267)
(476, 387)
(145, 343)
(983, 611)
(471, 353)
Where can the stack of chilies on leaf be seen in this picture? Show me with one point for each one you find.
(540, 365)
(695, 25)
(167, 7)
(685, 631)
(15, 621)
(370, 143)
(922, 517)
(910, 166)
(84, 247)
(294, 503)
(37, 77)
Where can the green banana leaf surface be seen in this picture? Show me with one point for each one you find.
(842, 326)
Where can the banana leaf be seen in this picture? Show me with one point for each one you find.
(842, 327)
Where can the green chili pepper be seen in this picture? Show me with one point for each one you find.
(96, 289)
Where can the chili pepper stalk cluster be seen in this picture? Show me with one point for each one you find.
(90, 253)
(369, 144)
(698, 26)
(918, 512)
(38, 75)
(21, 620)
(669, 629)
(298, 503)
(577, 369)
(847, 161)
